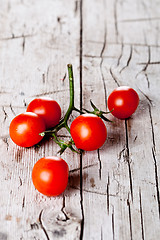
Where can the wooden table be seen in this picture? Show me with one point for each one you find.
(113, 193)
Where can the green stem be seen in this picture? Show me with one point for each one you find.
(64, 121)
(77, 110)
(68, 129)
(55, 138)
(71, 87)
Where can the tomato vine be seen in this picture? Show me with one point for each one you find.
(64, 121)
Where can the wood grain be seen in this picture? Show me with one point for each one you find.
(113, 193)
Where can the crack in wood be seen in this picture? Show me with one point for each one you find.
(101, 56)
(95, 192)
(5, 114)
(24, 103)
(135, 138)
(23, 44)
(141, 214)
(66, 218)
(60, 22)
(81, 51)
(41, 225)
(121, 54)
(154, 159)
(152, 128)
(48, 93)
(149, 100)
(148, 82)
(145, 67)
(76, 7)
(108, 185)
(90, 191)
(100, 165)
(156, 179)
(130, 217)
(129, 59)
(34, 226)
(20, 184)
(48, 69)
(150, 63)
(94, 56)
(81, 197)
(113, 224)
(149, 59)
(78, 169)
(16, 37)
(12, 109)
(140, 19)
(23, 202)
(120, 154)
(114, 77)
(116, 20)
(43, 78)
(101, 233)
(104, 41)
(5, 140)
(63, 209)
(127, 158)
(80, 77)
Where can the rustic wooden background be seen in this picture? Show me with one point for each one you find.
(113, 193)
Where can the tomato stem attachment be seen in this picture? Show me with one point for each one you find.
(98, 112)
(64, 144)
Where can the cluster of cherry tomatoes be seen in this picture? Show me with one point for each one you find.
(88, 131)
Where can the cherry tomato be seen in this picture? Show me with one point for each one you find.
(123, 101)
(88, 132)
(25, 128)
(48, 109)
(50, 175)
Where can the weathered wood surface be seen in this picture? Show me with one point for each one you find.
(113, 193)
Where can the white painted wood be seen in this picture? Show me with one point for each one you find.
(37, 40)
(113, 193)
(122, 191)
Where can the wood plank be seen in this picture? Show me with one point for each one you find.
(123, 190)
(113, 193)
(38, 40)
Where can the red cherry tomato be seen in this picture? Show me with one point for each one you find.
(50, 175)
(48, 109)
(123, 101)
(25, 128)
(88, 132)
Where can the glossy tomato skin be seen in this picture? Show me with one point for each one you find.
(50, 175)
(88, 132)
(48, 109)
(123, 101)
(25, 128)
